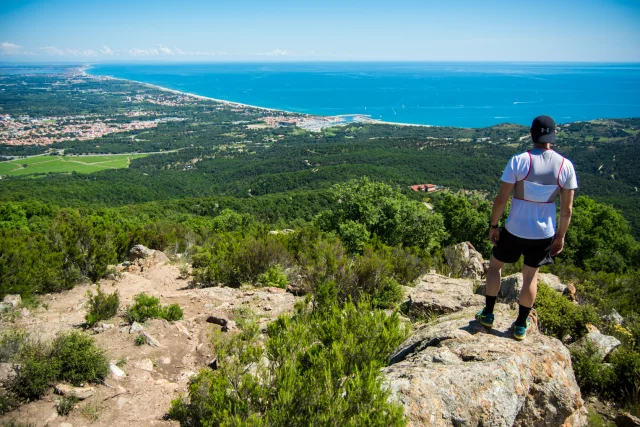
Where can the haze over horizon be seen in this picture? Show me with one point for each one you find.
(284, 30)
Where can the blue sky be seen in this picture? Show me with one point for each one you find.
(346, 30)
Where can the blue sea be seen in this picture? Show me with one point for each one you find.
(441, 94)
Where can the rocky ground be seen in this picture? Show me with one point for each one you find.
(450, 372)
(154, 375)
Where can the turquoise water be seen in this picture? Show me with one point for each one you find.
(443, 94)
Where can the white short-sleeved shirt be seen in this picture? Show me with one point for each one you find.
(531, 220)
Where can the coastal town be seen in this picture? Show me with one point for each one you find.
(26, 130)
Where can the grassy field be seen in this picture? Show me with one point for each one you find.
(65, 164)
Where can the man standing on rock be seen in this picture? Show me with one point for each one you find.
(535, 177)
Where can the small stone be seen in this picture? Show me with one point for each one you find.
(183, 329)
(81, 393)
(14, 300)
(151, 340)
(165, 360)
(135, 327)
(116, 372)
(7, 372)
(25, 312)
(145, 365)
(185, 376)
(267, 308)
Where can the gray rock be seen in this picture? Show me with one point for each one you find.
(140, 252)
(14, 300)
(8, 371)
(436, 295)
(145, 365)
(81, 393)
(151, 340)
(614, 317)
(453, 372)
(116, 372)
(604, 344)
(135, 327)
(627, 420)
(510, 286)
(464, 261)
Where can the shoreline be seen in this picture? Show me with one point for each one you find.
(83, 72)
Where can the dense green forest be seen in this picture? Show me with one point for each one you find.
(215, 186)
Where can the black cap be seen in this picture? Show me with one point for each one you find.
(543, 130)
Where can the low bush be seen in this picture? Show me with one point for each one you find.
(148, 307)
(559, 316)
(102, 306)
(71, 357)
(80, 360)
(8, 401)
(274, 276)
(318, 367)
(593, 376)
(65, 405)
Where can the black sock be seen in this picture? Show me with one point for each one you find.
(490, 303)
(523, 313)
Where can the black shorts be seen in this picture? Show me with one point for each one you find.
(537, 252)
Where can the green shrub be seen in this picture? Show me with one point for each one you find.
(65, 405)
(12, 342)
(101, 306)
(626, 365)
(558, 316)
(37, 373)
(80, 360)
(592, 375)
(71, 357)
(140, 340)
(323, 369)
(274, 276)
(8, 401)
(148, 307)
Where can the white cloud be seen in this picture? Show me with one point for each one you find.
(143, 52)
(51, 50)
(181, 52)
(106, 50)
(164, 50)
(80, 52)
(7, 48)
(276, 52)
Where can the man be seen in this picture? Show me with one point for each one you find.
(535, 177)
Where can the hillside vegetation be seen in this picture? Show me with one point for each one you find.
(325, 214)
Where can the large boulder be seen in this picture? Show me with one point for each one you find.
(140, 252)
(436, 295)
(510, 286)
(604, 344)
(455, 372)
(464, 261)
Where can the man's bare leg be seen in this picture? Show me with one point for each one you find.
(527, 298)
(493, 277)
(529, 286)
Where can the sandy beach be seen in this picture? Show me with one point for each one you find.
(83, 71)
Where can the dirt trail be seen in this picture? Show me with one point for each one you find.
(143, 397)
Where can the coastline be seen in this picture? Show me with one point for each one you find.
(83, 71)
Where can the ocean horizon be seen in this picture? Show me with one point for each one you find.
(439, 94)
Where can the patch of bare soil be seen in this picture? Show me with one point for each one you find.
(154, 375)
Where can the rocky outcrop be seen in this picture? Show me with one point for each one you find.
(464, 261)
(455, 372)
(604, 344)
(627, 420)
(510, 286)
(81, 393)
(435, 295)
(143, 257)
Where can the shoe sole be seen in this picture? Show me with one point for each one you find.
(519, 337)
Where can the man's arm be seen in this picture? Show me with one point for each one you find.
(498, 209)
(566, 209)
